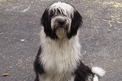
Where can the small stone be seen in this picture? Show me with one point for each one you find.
(22, 40)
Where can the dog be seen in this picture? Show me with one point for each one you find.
(59, 57)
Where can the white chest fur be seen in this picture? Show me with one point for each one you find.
(60, 56)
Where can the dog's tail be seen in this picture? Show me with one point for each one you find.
(99, 73)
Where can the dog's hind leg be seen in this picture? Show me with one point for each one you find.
(37, 78)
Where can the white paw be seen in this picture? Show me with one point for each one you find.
(98, 71)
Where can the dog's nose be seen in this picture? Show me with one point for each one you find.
(61, 22)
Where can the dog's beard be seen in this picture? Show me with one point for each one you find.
(61, 33)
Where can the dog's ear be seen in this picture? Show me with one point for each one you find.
(44, 18)
(76, 23)
(46, 22)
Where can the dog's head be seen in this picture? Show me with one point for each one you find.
(61, 20)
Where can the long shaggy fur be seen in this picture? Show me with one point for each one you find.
(59, 57)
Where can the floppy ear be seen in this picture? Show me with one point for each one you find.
(46, 22)
(76, 24)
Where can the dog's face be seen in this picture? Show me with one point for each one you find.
(61, 25)
(61, 20)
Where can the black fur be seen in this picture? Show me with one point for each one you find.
(76, 24)
(46, 22)
(38, 67)
(83, 72)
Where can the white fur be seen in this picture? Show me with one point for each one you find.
(59, 57)
(95, 78)
(98, 71)
(66, 8)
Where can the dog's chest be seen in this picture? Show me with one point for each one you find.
(58, 59)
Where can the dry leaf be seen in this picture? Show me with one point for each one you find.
(5, 74)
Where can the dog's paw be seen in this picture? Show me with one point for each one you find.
(98, 71)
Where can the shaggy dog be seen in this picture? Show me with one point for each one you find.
(59, 57)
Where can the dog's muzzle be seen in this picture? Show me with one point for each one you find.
(58, 22)
(61, 25)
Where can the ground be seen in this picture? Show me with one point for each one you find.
(100, 37)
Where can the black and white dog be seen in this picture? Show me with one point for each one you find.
(59, 57)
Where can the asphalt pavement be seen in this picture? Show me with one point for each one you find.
(100, 37)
